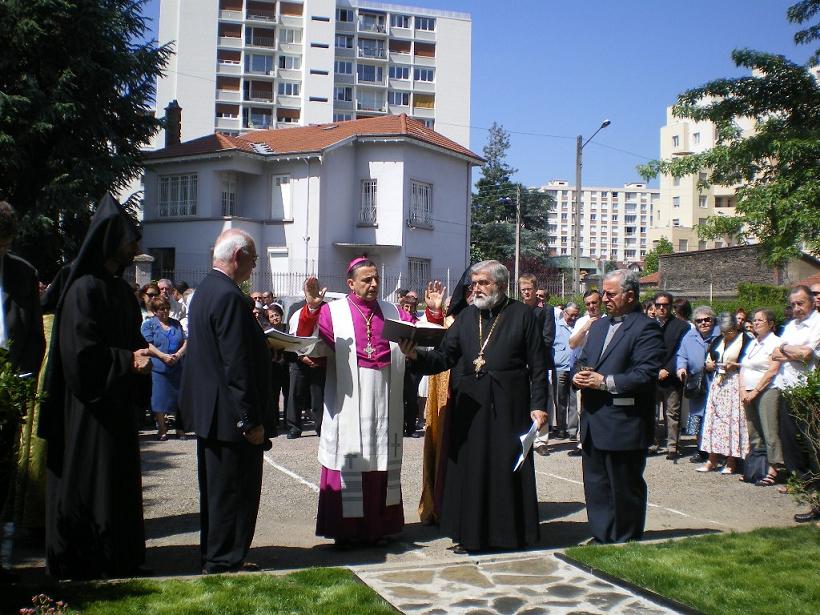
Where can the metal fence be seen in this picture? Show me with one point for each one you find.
(290, 283)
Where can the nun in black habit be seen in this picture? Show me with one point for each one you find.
(97, 364)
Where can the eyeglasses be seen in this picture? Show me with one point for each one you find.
(606, 294)
(699, 321)
(662, 305)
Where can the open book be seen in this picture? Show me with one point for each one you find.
(423, 333)
(284, 341)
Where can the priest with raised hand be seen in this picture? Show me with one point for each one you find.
(360, 447)
(496, 346)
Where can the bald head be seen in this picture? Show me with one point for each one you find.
(235, 254)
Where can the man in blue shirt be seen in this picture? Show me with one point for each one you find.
(566, 415)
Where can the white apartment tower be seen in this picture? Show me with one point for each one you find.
(242, 65)
(615, 221)
(683, 204)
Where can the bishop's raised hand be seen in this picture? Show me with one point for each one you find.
(313, 296)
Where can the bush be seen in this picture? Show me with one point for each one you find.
(804, 405)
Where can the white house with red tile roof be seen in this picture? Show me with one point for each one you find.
(313, 198)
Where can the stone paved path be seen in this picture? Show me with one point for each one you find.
(532, 583)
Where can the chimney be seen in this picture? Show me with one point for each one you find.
(173, 123)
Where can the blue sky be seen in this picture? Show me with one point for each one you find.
(549, 70)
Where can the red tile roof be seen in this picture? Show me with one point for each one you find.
(314, 138)
(652, 278)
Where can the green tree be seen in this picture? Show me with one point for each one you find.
(610, 266)
(492, 234)
(77, 82)
(650, 261)
(777, 166)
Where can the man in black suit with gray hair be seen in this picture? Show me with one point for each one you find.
(223, 395)
(617, 372)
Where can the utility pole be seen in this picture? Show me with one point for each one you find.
(576, 278)
(517, 237)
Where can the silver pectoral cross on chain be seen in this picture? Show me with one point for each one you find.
(479, 362)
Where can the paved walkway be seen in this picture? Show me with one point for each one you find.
(532, 583)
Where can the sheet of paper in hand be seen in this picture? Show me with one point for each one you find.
(526, 444)
(423, 333)
(284, 341)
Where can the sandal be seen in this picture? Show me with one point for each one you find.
(767, 481)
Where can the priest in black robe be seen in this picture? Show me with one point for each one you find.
(497, 349)
(97, 364)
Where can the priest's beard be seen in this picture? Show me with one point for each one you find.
(488, 302)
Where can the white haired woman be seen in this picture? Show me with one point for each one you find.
(725, 433)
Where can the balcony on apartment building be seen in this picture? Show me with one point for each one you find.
(259, 92)
(264, 38)
(228, 89)
(229, 35)
(260, 12)
(371, 49)
(230, 10)
(371, 23)
(227, 117)
(290, 14)
(228, 62)
(401, 51)
(257, 121)
(424, 54)
(424, 106)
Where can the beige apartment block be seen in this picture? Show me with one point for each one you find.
(683, 205)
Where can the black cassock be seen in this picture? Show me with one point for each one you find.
(94, 521)
(486, 504)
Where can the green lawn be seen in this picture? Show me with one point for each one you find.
(330, 591)
(768, 571)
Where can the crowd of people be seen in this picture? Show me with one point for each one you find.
(618, 379)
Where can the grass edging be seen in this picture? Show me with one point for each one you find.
(655, 597)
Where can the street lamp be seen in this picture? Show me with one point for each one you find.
(577, 218)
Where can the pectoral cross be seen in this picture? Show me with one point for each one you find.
(395, 444)
(479, 362)
(369, 350)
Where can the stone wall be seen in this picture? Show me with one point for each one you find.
(717, 272)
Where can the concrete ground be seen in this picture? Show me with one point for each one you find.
(681, 502)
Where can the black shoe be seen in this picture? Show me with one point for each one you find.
(698, 457)
(672, 455)
(563, 434)
(294, 433)
(576, 452)
(806, 517)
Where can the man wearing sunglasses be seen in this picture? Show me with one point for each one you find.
(670, 387)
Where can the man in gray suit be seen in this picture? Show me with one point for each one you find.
(616, 373)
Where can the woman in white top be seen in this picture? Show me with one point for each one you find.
(760, 398)
(724, 424)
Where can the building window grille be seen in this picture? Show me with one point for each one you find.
(228, 195)
(367, 208)
(418, 273)
(177, 195)
(421, 202)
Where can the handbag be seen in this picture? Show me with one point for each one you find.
(695, 386)
(756, 466)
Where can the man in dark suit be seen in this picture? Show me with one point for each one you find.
(527, 288)
(223, 396)
(670, 388)
(616, 373)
